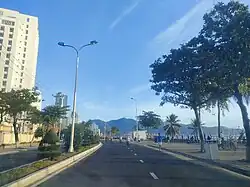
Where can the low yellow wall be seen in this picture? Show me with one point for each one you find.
(9, 138)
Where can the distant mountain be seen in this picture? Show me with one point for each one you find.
(123, 124)
(126, 125)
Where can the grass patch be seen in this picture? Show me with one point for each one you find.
(15, 174)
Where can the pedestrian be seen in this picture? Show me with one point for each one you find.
(159, 141)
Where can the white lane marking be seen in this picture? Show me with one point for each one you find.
(135, 154)
(141, 161)
(153, 175)
(128, 148)
(202, 163)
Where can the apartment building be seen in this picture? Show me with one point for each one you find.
(19, 40)
(62, 101)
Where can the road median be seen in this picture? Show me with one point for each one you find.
(39, 171)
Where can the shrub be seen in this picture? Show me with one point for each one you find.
(77, 137)
(50, 138)
(48, 147)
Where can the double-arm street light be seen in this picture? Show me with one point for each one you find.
(77, 50)
(137, 124)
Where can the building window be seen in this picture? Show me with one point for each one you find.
(0, 47)
(27, 26)
(24, 49)
(3, 89)
(1, 41)
(21, 80)
(20, 86)
(22, 74)
(5, 69)
(25, 43)
(10, 42)
(8, 48)
(22, 68)
(10, 35)
(26, 37)
(24, 55)
(28, 19)
(23, 61)
(5, 76)
(2, 28)
(8, 55)
(7, 22)
(11, 29)
(1, 34)
(27, 31)
(4, 83)
(7, 62)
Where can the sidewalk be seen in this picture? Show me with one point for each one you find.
(22, 147)
(232, 160)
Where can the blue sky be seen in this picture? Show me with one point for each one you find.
(131, 35)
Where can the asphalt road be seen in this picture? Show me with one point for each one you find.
(114, 165)
(9, 161)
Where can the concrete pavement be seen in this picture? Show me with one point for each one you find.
(116, 165)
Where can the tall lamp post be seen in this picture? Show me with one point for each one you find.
(77, 50)
(137, 124)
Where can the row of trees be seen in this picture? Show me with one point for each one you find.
(211, 67)
(150, 120)
(17, 106)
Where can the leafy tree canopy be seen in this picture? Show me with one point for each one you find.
(149, 120)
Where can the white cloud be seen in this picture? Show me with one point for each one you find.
(183, 29)
(123, 14)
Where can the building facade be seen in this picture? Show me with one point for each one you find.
(62, 100)
(19, 40)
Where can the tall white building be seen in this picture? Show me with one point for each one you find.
(19, 40)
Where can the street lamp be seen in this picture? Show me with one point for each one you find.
(137, 124)
(77, 50)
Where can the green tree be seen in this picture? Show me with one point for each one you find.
(82, 133)
(149, 120)
(182, 79)
(226, 28)
(114, 130)
(172, 125)
(52, 114)
(40, 132)
(19, 102)
(222, 106)
(194, 125)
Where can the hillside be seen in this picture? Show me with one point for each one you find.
(126, 125)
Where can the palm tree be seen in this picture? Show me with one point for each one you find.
(194, 125)
(52, 114)
(172, 126)
(222, 105)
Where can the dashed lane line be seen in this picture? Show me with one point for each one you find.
(141, 161)
(153, 175)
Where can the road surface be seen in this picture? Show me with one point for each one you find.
(12, 160)
(114, 165)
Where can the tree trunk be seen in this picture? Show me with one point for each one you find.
(197, 115)
(245, 120)
(218, 108)
(15, 131)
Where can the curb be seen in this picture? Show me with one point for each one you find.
(50, 170)
(212, 162)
